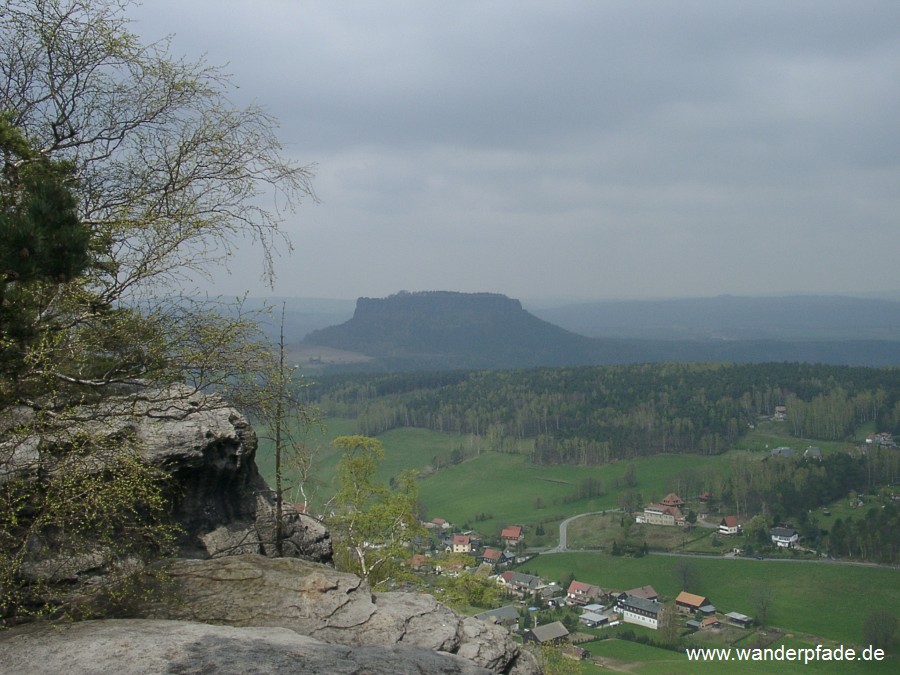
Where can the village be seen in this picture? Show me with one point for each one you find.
(585, 609)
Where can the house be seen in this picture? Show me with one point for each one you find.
(738, 619)
(521, 584)
(645, 592)
(593, 619)
(690, 603)
(782, 451)
(551, 595)
(673, 500)
(729, 526)
(461, 543)
(784, 537)
(883, 438)
(659, 514)
(507, 616)
(641, 612)
(512, 534)
(492, 556)
(711, 622)
(706, 497)
(549, 633)
(580, 593)
(780, 413)
(813, 452)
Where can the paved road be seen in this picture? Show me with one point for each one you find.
(562, 547)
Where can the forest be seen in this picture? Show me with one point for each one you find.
(595, 414)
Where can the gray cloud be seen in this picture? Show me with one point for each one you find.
(583, 149)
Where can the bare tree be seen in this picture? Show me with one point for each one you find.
(762, 597)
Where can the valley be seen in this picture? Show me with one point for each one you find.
(764, 483)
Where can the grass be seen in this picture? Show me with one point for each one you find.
(647, 660)
(821, 599)
(491, 490)
(509, 489)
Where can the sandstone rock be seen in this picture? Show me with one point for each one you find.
(331, 606)
(138, 647)
(220, 500)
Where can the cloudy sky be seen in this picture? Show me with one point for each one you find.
(577, 150)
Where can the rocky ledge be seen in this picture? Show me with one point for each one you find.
(138, 647)
(334, 607)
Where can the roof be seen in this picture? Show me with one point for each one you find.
(691, 600)
(663, 508)
(642, 603)
(786, 532)
(672, 499)
(711, 621)
(737, 616)
(491, 554)
(593, 617)
(461, 539)
(645, 592)
(549, 631)
(511, 532)
(577, 587)
(520, 579)
(729, 521)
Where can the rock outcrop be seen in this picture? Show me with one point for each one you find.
(232, 607)
(221, 502)
(207, 447)
(334, 607)
(139, 647)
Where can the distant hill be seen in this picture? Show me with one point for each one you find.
(443, 329)
(446, 330)
(727, 317)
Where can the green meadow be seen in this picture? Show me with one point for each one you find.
(812, 601)
(620, 655)
(822, 599)
(489, 489)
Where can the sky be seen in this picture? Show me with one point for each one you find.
(574, 150)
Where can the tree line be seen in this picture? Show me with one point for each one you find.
(595, 414)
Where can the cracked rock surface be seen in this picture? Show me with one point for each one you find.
(333, 607)
(140, 646)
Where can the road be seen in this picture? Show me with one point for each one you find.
(563, 547)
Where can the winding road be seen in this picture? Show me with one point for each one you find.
(562, 547)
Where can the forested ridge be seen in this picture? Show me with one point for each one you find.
(595, 414)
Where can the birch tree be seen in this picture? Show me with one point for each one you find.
(374, 524)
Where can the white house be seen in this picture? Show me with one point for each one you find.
(461, 543)
(641, 612)
(729, 526)
(785, 537)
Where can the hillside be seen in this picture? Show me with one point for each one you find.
(728, 317)
(442, 329)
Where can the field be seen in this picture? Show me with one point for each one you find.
(813, 601)
(519, 491)
(816, 598)
(619, 655)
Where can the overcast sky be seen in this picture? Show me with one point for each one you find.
(579, 149)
